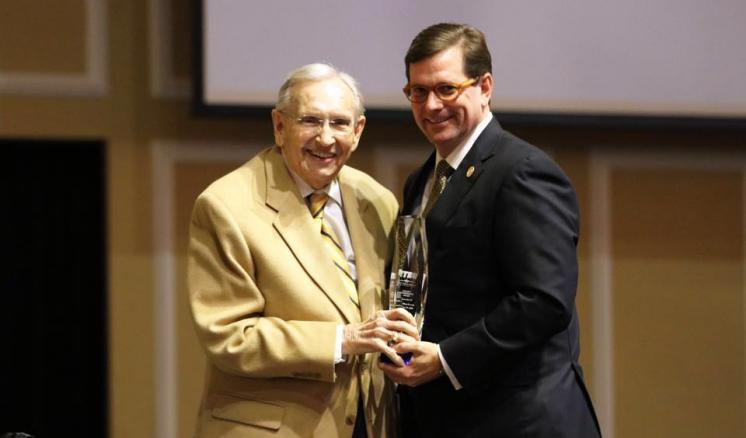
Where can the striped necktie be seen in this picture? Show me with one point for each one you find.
(443, 171)
(317, 202)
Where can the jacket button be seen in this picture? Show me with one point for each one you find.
(350, 420)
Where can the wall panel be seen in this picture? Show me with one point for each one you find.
(669, 262)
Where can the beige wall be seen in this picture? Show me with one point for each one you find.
(662, 260)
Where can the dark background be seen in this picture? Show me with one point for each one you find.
(53, 377)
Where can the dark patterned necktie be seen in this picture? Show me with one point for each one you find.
(443, 171)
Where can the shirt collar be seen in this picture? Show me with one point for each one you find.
(331, 189)
(457, 155)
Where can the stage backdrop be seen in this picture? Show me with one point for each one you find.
(643, 57)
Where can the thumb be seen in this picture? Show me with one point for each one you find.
(406, 347)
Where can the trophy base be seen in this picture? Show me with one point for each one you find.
(406, 357)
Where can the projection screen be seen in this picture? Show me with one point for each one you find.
(636, 57)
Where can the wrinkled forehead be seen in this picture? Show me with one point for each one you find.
(328, 96)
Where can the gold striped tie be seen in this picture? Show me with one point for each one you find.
(317, 202)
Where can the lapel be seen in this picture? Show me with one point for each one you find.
(462, 179)
(359, 216)
(413, 193)
(301, 234)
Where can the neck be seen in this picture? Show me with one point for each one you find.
(444, 150)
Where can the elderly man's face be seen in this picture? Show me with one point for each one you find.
(319, 131)
(448, 123)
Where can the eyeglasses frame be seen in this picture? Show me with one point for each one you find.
(319, 128)
(459, 89)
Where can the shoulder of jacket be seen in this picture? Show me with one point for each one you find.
(238, 185)
(368, 188)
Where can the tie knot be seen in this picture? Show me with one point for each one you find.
(316, 202)
(443, 169)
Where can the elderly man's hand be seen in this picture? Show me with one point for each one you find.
(424, 366)
(380, 334)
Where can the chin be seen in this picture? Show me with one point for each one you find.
(441, 139)
(325, 178)
(441, 132)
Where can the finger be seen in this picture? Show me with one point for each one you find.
(400, 314)
(404, 327)
(373, 323)
(394, 338)
(407, 347)
(374, 333)
(392, 326)
(395, 359)
(403, 337)
(370, 341)
(382, 333)
(379, 322)
(392, 371)
(387, 367)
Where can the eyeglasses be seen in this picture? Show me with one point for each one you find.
(446, 91)
(310, 122)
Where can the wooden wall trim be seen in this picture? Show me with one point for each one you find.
(95, 80)
(166, 154)
(163, 82)
(603, 161)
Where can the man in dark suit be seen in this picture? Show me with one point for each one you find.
(499, 350)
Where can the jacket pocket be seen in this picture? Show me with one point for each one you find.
(250, 412)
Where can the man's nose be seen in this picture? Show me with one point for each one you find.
(433, 102)
(326, 136)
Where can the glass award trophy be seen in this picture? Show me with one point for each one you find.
(408, 283)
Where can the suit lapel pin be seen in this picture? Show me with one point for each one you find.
(470, 171)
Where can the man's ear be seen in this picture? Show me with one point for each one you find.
(485, 88)
(278, 127)
(359, 126)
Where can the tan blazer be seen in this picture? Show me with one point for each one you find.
(266, 302)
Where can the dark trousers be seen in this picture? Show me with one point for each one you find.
(359, 430)
(407, 426)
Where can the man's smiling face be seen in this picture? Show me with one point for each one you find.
(319, 131)
(448, 124)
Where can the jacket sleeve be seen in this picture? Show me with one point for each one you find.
(228, 307)
(535, 233)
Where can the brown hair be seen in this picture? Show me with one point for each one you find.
(441, 36)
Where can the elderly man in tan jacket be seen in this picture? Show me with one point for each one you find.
(286, 278)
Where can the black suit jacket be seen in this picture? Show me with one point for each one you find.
(503, 274)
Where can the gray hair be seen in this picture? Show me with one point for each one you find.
(315, 73)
